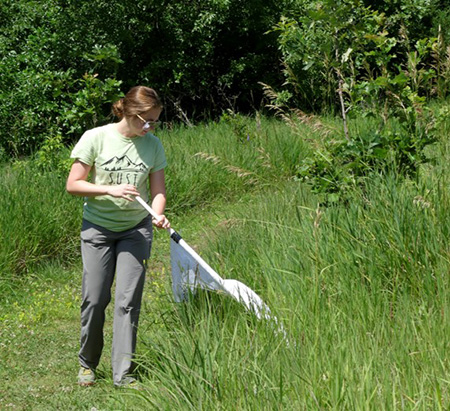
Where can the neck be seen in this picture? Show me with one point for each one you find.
(123, 128)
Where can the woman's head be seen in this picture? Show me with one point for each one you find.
(138, 100)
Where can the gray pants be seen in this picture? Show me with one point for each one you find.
(106, 253)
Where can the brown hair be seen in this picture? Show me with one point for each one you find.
(138, 100)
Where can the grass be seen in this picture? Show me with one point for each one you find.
(361, 303)
(37, 221)
(39, 339)
(362, 290)
(365, 330)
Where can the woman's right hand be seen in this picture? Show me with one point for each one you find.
(126, 191)
(77, 184)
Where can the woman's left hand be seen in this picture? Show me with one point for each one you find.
(161, 222)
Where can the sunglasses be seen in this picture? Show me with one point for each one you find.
(148, 124)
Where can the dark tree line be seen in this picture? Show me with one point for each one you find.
(62, 62)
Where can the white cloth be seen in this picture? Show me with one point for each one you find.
(190, 271)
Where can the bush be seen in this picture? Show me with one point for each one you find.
(50, 103)
(361, 63)
(330, 48)
(64, 61)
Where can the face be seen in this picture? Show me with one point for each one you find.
(145, 122)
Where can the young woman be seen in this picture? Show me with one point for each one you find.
(112, 164)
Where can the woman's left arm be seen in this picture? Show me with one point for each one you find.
(158, 195)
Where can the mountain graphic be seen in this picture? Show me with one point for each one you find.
(122, 163)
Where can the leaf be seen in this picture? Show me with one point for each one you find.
(382, 81)
(400, 79)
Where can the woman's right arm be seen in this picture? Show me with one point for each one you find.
(77, 184)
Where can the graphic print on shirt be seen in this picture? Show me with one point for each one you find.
(123, 170)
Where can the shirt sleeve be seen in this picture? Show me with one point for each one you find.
(160, 158)
(84, 150)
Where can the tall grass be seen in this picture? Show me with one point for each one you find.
(37, 220)
(362, 289)
(226, 160)
(363, 292)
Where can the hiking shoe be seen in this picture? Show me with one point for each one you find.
(129, 382)
(86, 377)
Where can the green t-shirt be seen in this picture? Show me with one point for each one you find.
(116, 159)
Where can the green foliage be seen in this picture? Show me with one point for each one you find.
(239, 123)
(43, 92)
(209, 56)
(90, 104)
(204, 58)
(441, 20)
(339, 165)
(53, 157)
(328, 42)
(59, 105)
(41, 97)
(323, 45)
(372, 283)
(362, 62)
(64, 61)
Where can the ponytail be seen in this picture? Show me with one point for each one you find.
(117, 109)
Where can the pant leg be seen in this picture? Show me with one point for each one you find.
(133, 251)
(99, 264)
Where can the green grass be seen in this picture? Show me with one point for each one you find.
(365, 306)
(37, 221)
(362, 290)
(216, 161)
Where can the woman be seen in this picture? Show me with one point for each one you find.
(121, 160)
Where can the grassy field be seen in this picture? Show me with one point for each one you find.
(362, 289)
